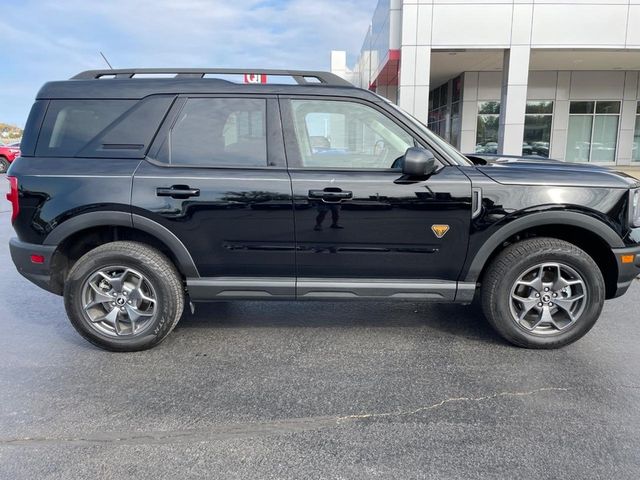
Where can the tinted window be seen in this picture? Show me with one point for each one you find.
(219, 132)
(70, 124)
(333, 134)
(581, 107)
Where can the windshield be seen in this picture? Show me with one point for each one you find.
(450, 151)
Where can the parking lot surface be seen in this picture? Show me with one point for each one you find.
(281, 390)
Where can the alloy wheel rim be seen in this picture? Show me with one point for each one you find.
(119, 301)
(548, 298)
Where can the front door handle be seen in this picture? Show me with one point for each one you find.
(330, 195)
(178, 191)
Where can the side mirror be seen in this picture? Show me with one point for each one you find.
(418, 162)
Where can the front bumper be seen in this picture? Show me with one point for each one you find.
(38, 273)
(627, 272)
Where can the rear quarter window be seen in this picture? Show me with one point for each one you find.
(69, 125)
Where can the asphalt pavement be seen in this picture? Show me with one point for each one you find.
(314, 390)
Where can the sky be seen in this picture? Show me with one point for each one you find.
(44, 40)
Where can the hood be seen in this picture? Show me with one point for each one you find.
(511, 170)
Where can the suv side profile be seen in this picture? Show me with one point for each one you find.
(134, 196)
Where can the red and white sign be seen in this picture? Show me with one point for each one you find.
(255, 78)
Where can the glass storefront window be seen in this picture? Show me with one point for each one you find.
(438, 113)
(456, 92)
(605, 134)
(581, 107)
(456, 124)
(487, 127)
(537, 128)
(635, 152)
(579, 138)
(593, 131)
(492, 107)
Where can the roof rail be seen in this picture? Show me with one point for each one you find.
(302, 77)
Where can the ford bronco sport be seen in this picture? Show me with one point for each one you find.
(136, 195)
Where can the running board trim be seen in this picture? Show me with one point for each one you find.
(220, 288)
(287, 288)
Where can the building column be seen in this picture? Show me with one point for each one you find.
(627, 119)
(415, 59)
(469, 112)
(513, 99)
(560, 125)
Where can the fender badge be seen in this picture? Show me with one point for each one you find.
(440, 230)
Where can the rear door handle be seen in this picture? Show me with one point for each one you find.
(330, 195)
(178, 191)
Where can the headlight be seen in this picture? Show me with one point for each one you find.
(634, 207)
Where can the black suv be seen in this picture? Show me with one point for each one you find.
(134, 195)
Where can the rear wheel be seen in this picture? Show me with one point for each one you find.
(124, 296)
(543, 293)
(4, 165)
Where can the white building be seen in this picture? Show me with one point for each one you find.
(556, 78)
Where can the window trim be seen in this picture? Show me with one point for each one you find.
(294, 157)
(276, 158)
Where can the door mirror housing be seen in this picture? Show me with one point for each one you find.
(418, 162)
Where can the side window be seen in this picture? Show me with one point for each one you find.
(70, 124)
(336, 134)
(214, 132)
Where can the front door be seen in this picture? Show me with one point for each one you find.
(217, 180)
(361, 229)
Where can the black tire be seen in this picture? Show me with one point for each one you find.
(157, 269)
(4, 165)
(514, 261)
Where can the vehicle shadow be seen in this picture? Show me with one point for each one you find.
(465, 321)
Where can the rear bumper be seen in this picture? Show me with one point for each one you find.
(38, 273)
(627, 272)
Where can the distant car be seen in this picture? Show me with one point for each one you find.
(8, 153)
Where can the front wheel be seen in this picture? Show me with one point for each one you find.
(124, 296)
(4, 165)
(542, 293)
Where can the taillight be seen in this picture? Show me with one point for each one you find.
(12, 196)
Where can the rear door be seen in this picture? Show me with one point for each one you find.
(361, 229)
(216, 178)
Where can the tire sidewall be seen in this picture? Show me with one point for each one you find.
(152, 335)
(595, 293)
(4, 165)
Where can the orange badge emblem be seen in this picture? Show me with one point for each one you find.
(440, 230)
